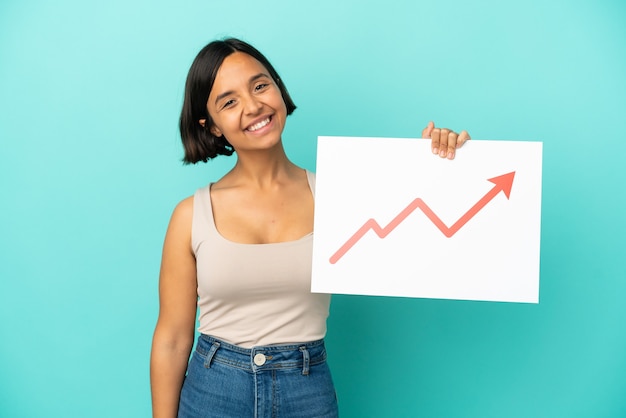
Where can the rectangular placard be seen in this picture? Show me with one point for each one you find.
(392, 219)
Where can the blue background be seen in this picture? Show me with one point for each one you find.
(90, 171)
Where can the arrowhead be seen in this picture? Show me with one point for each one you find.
(504, 183)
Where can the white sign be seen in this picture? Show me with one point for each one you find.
(392, 219)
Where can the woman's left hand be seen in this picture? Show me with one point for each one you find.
(444, 141)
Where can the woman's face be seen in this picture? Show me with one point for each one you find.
(246, 105)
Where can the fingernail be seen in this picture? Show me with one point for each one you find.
(435, 150)
(450, 155)
(443, 153)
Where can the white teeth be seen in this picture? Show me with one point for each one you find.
(259, 125)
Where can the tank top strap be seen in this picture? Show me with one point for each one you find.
(311, 178)
(203, 226)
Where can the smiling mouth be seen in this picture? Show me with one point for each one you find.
(259, 125)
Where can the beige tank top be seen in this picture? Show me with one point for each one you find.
(255, 294)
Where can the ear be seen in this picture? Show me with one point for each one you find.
(216, 131)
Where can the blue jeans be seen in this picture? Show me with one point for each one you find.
(224, 380)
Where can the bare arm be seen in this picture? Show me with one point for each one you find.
(174, 333)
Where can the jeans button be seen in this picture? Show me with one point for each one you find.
(259, 359)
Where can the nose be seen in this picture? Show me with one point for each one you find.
(252, 105)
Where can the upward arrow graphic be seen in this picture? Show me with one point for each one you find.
(502, 183)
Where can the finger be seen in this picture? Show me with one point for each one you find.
(443, 142)
(434, 144)
(428, 129)
(452, 141)
(463, 138)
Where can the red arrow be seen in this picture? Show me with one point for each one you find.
(503, 183)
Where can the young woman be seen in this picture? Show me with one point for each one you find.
(240, 251)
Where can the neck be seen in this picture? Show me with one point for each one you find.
(263, 168)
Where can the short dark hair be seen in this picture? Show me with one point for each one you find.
(199, 143)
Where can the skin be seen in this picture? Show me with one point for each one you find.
(265, 198)
(445, 141)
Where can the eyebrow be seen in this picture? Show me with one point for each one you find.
(252, 80)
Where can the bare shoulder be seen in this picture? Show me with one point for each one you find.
(183, 213)
(177, 261)
(184, 209)
(179, 229)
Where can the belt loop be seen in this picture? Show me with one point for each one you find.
(306, 360)
(210, 354)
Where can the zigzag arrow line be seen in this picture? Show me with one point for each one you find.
(503, 183)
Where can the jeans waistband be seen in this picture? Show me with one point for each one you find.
(257, 359)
